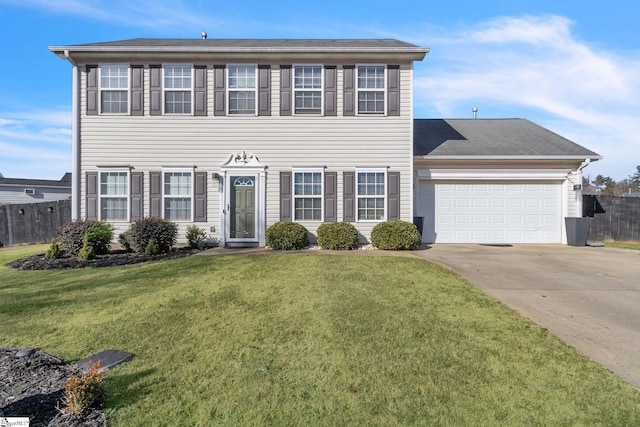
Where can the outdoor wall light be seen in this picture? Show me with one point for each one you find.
(21, 211)
(50, 209)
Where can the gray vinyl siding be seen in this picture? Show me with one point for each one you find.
(338, 143)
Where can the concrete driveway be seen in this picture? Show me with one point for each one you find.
(587, 296)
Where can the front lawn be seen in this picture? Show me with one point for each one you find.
(307, 339)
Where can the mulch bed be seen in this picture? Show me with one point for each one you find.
(37, 391)
(114, 258)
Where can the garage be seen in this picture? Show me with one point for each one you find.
(493, 212)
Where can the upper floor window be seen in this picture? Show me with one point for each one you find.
(242, 89)
(178, 195)
(307, 89)
(307, 196)
(178, 85)
(114, 196)
(370, 192)
(114, 88)
(371, 89)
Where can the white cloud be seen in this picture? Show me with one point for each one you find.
(536, 65)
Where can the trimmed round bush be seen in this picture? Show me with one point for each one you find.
(71, 235)
(395, 235)
(338, 235)
(162, 231)
(287, 235)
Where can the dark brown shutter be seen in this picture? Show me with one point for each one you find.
(92, 195)
(330, 196)
(200, 89)
(155, 193)
(155, 90)
(264, 90)
(137, 179)
(285, 196)
(137, 103)
(219, 95)
(349, 107)
(349, 196)
(92, 90)
(330, 91)
(393, 90)
(200, 197)
(285, 90)
(393, 195)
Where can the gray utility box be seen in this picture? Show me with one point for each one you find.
(577, 231)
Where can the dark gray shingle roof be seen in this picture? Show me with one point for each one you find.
(64, 182)
(491, 138)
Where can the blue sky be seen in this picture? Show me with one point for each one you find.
(571, 66)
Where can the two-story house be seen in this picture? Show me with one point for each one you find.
(235, 135)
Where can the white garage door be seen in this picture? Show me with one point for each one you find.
(490, 212)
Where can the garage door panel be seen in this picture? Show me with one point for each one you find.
(491, 212)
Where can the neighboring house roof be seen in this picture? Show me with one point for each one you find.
(208, 48)
(64, 182)
(492, 138)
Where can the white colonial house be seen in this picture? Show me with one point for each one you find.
(236, 135)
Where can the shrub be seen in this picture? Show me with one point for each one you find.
(99, 236)
(286, 236)
(71, 234)
(152, 247)
(1, 244)
(86, 252)
(81, 392)
(196, 236)
(162, 231)
(54, 251)
(338, 235)
(395, 235)
(123, 239)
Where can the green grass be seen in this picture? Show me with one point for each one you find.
(307, 339)
(623, 245)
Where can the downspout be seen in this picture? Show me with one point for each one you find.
(579, 194)
(76, 170)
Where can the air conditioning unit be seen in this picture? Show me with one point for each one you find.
(30, 191)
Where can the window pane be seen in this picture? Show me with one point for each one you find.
(242, 77)
(177, 77)
(308, 77)
(114, 77)
(307, 184)
(371, 102)
(308, 209)
(177, 183)
(177, 208)
(308, 102)
(241, 102)
(113, 209)
(113, 184)
(177, 102)
(371, 77)
(114, 102)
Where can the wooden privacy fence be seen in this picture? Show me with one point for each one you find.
(32, 222)
(620, 222)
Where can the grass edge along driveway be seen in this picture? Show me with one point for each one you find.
(303, 339)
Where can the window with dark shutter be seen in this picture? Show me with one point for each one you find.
(155, 90)
(393, 90)
(92, 195)
(349, 196)
(219, 91)
(349, 90)
(155, 194)
(137, 179)
(200, 90)
(330, 91)
(264, 90)
(393, 195)
(330, 196)
(200, 197)
(137, 91)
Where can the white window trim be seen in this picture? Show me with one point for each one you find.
(294, 197)
(384, 91)
(165, 90)
(294, 90)
(192, 196)
(385, 194)
(229, 90)
(108, 196)
(101, 89)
